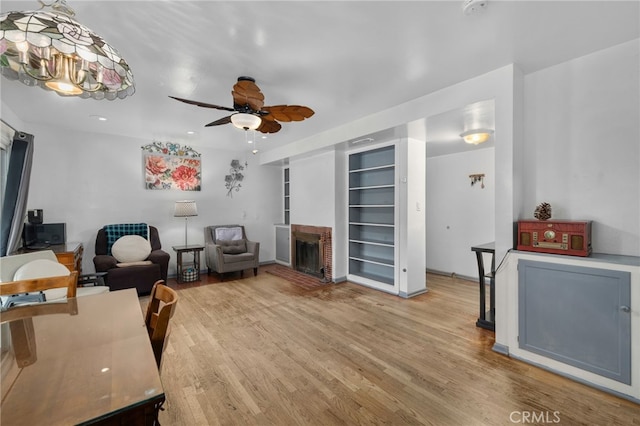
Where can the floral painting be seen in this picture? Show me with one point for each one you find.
(169, 166)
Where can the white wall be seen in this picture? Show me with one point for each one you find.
(88, 180)
(411, 216)
(312, 189)
(459, 215)
(582, 154)
(582, 145)
(341, 229)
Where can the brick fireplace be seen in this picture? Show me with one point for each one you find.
(311, 250)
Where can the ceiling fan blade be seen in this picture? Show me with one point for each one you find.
(202, 104)
(224, 120)
(246, 92)
(269, 126)
(288, 113)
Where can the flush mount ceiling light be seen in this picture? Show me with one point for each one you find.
(473, 7)
(49, 49)
(246, 121)
(476, 136)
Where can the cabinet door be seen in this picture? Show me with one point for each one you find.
(283, 246)
(577, 315)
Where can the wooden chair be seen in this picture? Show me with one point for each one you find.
(40, 284)
(40, 265)
(162, 305)
(67, 306)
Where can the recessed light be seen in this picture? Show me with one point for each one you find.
(98, 117)
(191, 132)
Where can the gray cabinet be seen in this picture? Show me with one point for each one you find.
(283, 245)
(372, 215)
(577, 315)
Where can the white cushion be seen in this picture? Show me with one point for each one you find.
(88, 291)
(10, 264)
(234, 233)
(43, 268)
(138, 263)
(40, 268)
(131, 248)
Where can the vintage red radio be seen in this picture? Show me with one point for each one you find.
(555, 236)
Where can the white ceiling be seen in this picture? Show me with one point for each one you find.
(344, 59)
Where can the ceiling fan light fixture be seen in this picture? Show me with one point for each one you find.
(249, 110)
(246, 121)
(476, 136)
(51, 50)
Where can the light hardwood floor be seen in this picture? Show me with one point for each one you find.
(262, 351)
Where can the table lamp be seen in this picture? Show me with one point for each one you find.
(185, 209)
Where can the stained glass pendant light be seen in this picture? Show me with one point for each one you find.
(49, 49)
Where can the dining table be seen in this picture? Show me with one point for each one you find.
(87, 360)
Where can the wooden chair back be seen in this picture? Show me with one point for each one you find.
(40, 284)
(162, 305)
(68, 306)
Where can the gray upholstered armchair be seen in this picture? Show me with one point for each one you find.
(227, 249)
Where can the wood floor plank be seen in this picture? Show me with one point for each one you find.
(263, 351)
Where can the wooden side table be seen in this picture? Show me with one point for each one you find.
(70, 255)
(487, 319)
(183, 267)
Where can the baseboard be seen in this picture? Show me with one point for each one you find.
(501, 349)
(415, 293)
(579, 379)
(451, 274)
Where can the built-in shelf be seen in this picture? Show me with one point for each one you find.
(372, 242)
(287, 219)
(372, 215)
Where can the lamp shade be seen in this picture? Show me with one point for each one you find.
(476, 136)
(51, 50)
(185, 208)
(246, 121)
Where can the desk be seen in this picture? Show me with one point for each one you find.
(183, 275)
(486, 319)
(92, 365)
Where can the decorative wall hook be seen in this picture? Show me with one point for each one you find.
(479, 177)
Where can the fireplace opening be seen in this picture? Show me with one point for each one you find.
(308, 254)
(311, 250)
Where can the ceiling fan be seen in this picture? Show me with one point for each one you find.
(249, 112)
